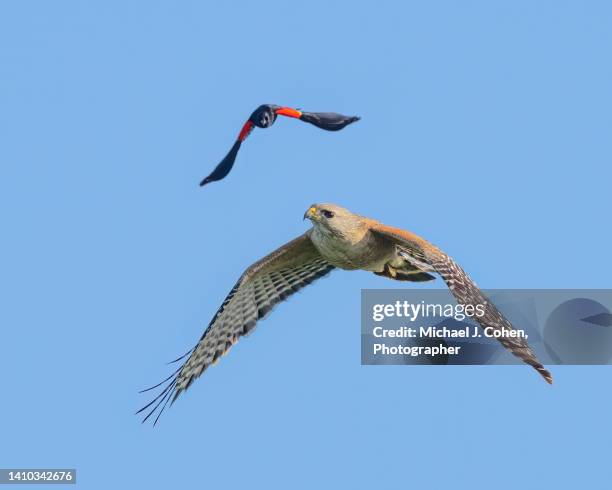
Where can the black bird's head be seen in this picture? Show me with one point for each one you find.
(264, 116)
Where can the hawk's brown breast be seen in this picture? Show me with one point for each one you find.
(357, 251)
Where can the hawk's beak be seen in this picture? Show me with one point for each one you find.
(311, 213)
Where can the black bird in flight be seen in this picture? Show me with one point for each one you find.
(264, 117)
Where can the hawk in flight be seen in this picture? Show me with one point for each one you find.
(264, 117)
(338, 239)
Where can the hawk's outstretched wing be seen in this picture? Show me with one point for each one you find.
(263, 285)
(429, 258)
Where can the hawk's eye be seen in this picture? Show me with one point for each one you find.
(328, 214)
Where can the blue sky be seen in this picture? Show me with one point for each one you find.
(486, 129)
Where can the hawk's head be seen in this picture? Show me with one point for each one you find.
(333, 219)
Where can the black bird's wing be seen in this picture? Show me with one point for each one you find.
(330, 121)
(224, 167)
